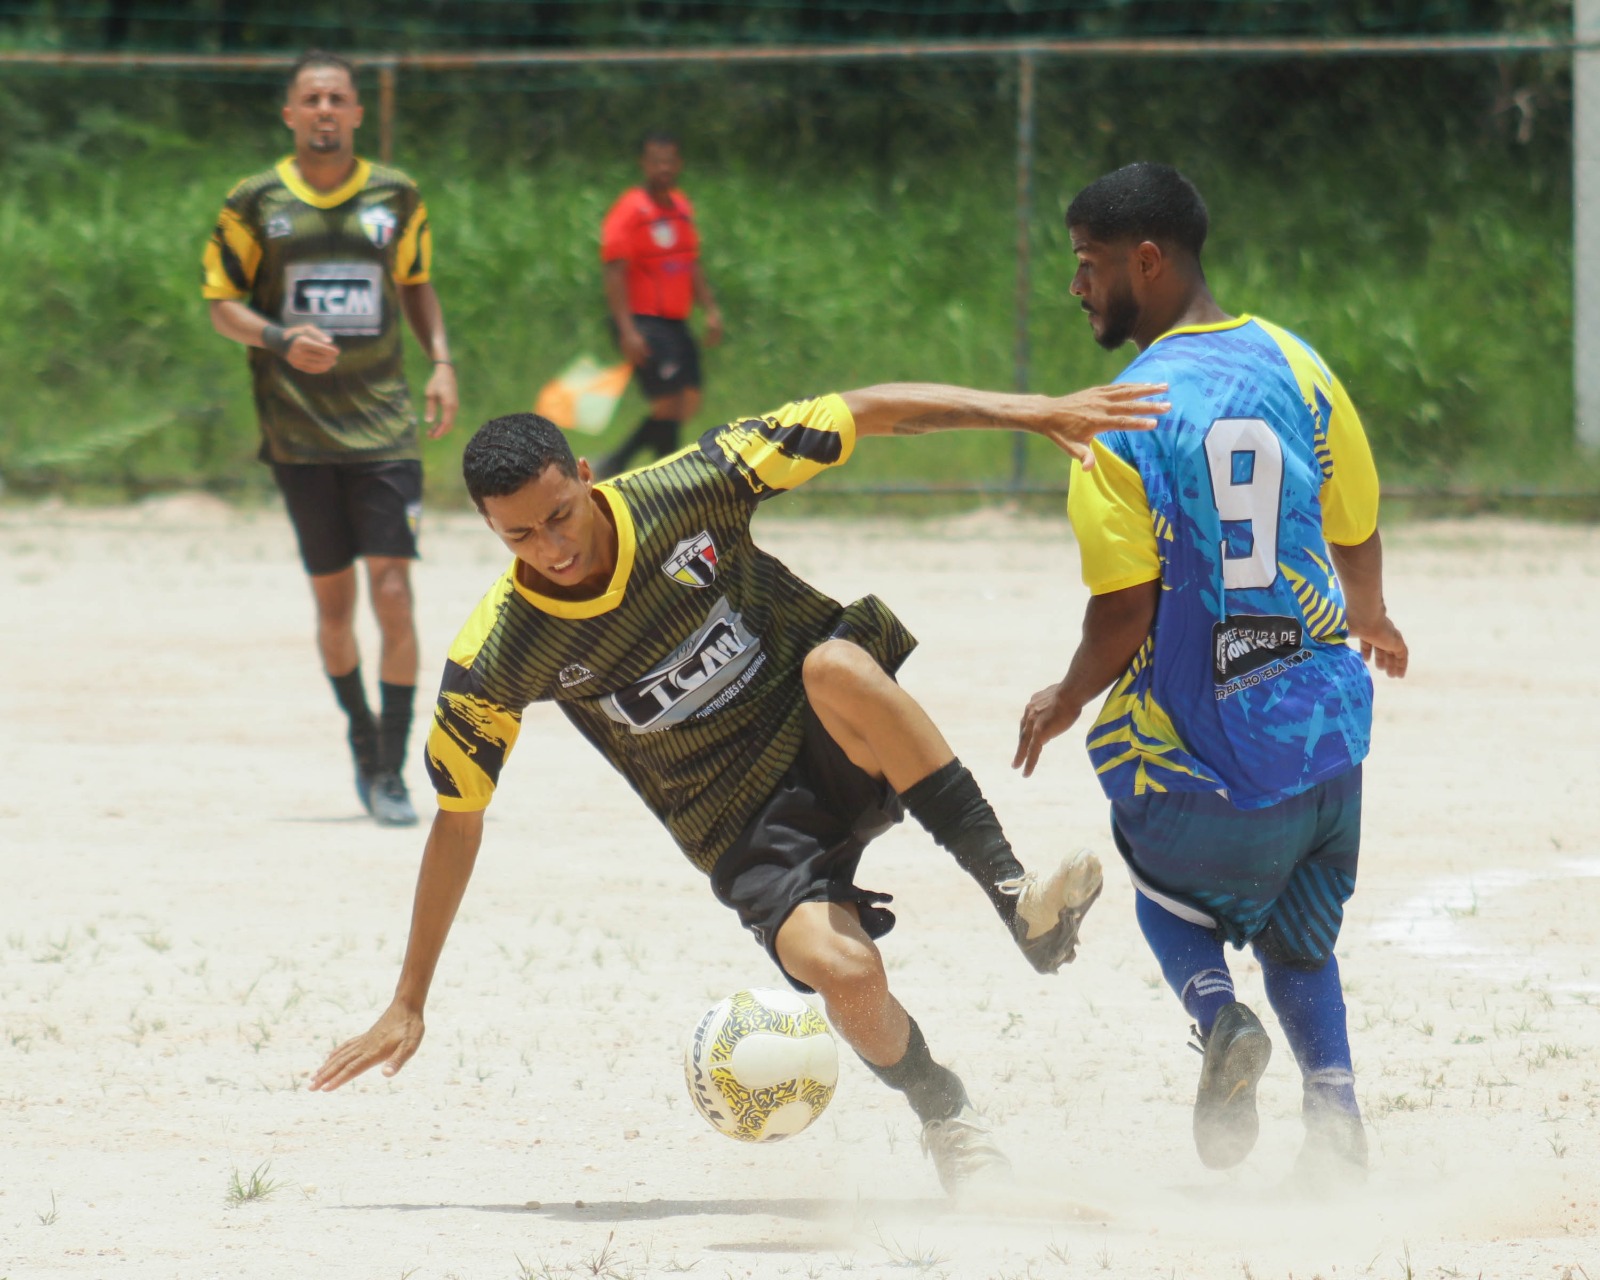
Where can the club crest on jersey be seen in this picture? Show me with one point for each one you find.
(279, 226)
(379, 224)
(573, 674)
(693, 561)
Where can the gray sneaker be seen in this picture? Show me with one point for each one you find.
(1334, 1156)
(1235, 1055)
(391, 805)
(964, 1152)
(1050, 910)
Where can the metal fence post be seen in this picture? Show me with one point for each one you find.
(1025, 77)
(1586, 226)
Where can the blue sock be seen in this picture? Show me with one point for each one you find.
(1191, 961)
(1310, 1006)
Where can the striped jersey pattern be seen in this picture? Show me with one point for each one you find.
(334, 259)
(686, 676)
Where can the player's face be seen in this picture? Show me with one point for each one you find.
(323, 111)
(661, 164)
(1104, 281)
(552, 526)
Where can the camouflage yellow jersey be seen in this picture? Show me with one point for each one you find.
(685, 672)
(334, 259)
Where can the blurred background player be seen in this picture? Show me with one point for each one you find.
(1230, 553)
(653, 279)
(310, 265)
(757, 718)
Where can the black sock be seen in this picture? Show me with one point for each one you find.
(948, 803)
(656, 436)
(395, 725)
(352, 696)
(659, 435)
(934, 1092)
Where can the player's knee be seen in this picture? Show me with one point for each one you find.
(840, 969)
(838, 667)
(391, 596)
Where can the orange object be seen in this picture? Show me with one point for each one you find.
(584, 395)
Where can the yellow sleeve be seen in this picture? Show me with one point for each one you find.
(1111, 519)
(781, 450)
(471, 735)
(413, 258)
(1350, 493)
(230, 260)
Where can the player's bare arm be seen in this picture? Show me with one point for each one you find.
(303, 346)
(635, 350)
(707, 302)
(1114, 626)
(420, 302)
(1071, 422)
(1360, 570)
(447, 863)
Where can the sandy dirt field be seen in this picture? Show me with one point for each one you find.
(193, 911)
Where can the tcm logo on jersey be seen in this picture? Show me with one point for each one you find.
(334, 297)
(696, 675)
(1246, 643)
(379, 224)
(693, 561)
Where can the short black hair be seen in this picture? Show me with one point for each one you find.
(320, 58)
(659, 138)
(505, 453)
(1143, 201)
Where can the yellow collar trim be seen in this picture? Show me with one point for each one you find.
(611, 597)
(289, 171)
(1204, 328)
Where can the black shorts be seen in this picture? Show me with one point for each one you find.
(804, 843)
(344, 510)
(674, 363)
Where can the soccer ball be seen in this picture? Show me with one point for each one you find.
(761, 1065)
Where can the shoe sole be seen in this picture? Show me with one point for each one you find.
(1226, 1126)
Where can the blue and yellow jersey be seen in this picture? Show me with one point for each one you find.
(685, 672)
(1246, 683)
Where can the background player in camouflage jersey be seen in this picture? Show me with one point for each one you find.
(759, 719)
(1231, 553)
(310, 265)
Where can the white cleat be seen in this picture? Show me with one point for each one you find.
(964, 1152)
(1050, 910)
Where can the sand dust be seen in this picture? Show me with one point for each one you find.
(194, 912)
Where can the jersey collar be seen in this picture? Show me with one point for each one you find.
(303, 190)
(611, 597)
(1219, 327)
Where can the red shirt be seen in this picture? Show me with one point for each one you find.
(659, 245)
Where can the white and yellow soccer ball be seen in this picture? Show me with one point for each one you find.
(761, 1065)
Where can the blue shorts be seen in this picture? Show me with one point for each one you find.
(1277, 877)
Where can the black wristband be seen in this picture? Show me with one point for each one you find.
(273, 340)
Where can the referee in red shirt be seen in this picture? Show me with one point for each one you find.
(653, 279)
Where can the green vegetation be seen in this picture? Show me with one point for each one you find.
(859, 226)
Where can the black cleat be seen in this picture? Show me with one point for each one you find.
(391, 805)
(1236, 1053)
(364, 755)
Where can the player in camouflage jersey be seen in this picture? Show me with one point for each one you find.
(310, 266)
(757, 718)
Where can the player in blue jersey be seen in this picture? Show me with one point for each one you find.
(1230, 555)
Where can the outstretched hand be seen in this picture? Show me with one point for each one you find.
(1048, 715)
(391, 1040)
(1073, 421)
